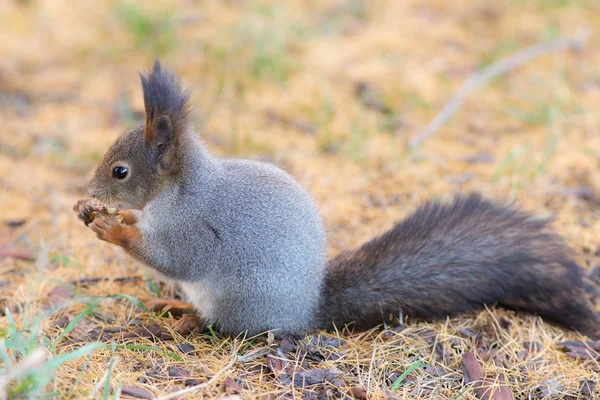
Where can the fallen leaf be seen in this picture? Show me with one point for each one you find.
(392, 396)
(532, 347)
(443, 354)
(532, 365)
(253, 354)
(484, 388)
(61, 322)
(145, 331)
(505, 324)
(472, 370)
(136, 392)
(114, 329)
(358, 393)
(289, 344)
(83, 331)
(579, 349)
(436, 371)
(485, 353)
(594, 345)
(427, 334)
(325, 341)
(312, 352)
(551, 387)
(60, 295)
(503, 392)
(314, 376)
(186, 348)
(177, 372)
(393, 333)
(231, 386)
(479, 158)
(467, 332)
(586, 387)
(277, 366)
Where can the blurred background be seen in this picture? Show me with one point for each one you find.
(333, 91)
(330, 90)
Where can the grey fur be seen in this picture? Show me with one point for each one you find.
(248, 244)
(251, 234)
(245, 229)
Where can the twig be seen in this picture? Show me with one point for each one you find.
(493, 70)
(207, 383)
(121, 279)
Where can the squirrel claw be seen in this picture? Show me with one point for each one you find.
(87, 210)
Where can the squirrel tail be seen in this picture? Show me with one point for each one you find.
(450, 258)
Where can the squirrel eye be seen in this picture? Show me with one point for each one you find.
(120, 172)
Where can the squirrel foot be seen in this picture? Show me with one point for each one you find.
(188, 324)
(174, 307)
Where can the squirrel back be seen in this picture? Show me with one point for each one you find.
(451, 258)
(247, 244)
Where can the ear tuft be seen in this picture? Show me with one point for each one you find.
(163, 131)
(166, 105)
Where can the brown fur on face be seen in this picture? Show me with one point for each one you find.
(135, 191)
(150, 151)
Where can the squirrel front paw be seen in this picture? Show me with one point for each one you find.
(110, 229)
(106, 228)
(88, 209)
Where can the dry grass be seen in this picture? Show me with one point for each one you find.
(279, 82)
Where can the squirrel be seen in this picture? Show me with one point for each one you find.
(247, 244)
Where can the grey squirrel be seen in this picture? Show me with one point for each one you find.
(248, 246)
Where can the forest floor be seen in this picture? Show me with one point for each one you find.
(332, 91)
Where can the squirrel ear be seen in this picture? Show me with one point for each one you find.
(166, 105)
(163, 131)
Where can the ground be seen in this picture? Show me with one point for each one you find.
(332, 91)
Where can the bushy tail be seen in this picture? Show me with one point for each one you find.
(451, 258)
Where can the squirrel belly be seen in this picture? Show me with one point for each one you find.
(247, 243)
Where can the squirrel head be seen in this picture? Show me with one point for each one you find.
(146, 157)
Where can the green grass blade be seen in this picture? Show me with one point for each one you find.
(398, 382)
(149, 348)
(78, 318)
